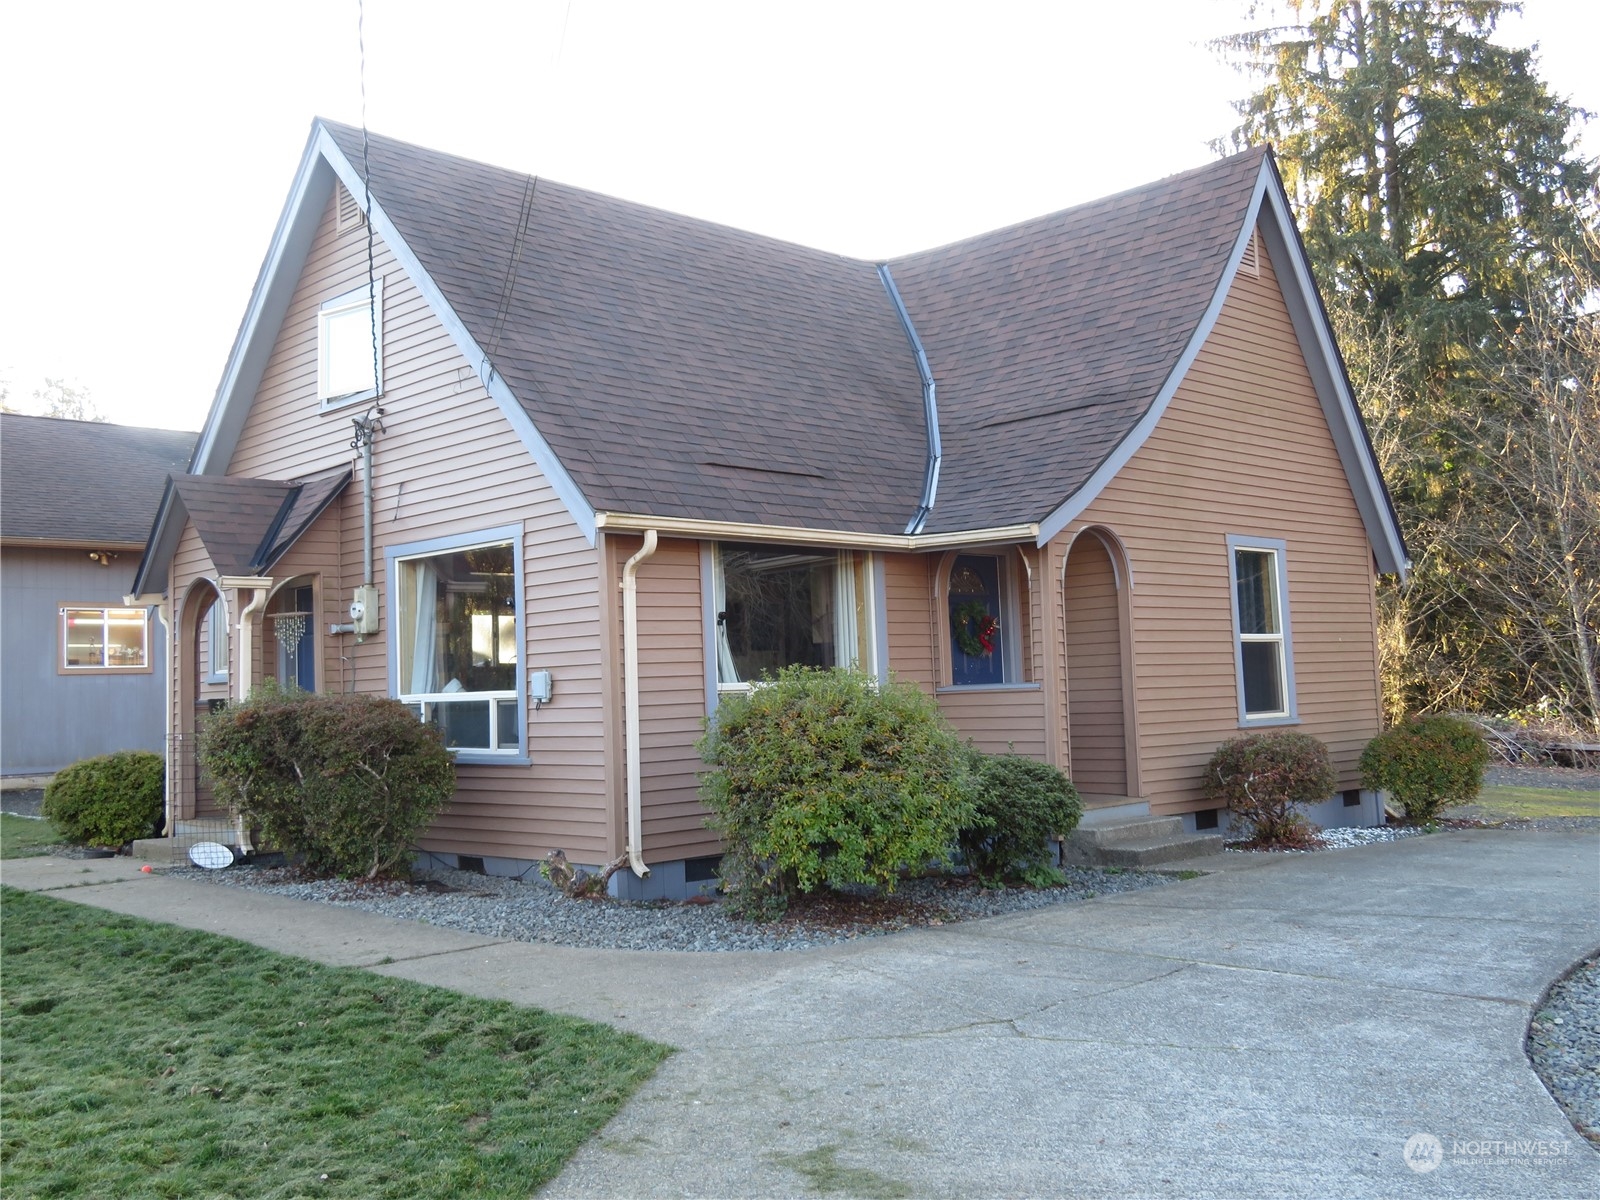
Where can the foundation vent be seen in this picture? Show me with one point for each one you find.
(350, 214)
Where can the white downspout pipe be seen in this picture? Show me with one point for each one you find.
(247, 649)
(630, 700)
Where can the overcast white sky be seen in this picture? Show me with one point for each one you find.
(149, 146)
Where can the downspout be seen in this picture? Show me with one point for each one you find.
(261, 585)
(930, 405)
(164, 617)
(630, 700)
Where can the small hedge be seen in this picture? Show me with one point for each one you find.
(347, 782)
(1264, 777)
(1426, 765)
(110, 800)
(825, 779)
(1020, 805)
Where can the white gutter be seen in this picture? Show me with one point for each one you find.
(741, 531)
(261, 584)
(630, 700)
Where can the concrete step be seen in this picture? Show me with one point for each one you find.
(1151, 852)
(1126, 830)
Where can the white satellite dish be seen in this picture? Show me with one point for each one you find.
(210, 855)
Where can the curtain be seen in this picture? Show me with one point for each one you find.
(727, 670)
(846, 633)
(419, 628)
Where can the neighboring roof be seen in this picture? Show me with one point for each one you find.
(246, 525)
(1050, 339)
(661, 367)
(82, 482)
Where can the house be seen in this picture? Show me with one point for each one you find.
(561, 470)
(81, 668)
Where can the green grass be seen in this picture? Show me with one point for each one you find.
(143, 1060)
(1521, 802)
(21, 837)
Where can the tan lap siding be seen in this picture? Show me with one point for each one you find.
(672, 696)
(447, 464)
(998, 720)
(1244, 448)
(908, 607)
(1094, 671)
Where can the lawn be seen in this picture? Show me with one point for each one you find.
(24, 836)
(1503, 803)
(146, 1060)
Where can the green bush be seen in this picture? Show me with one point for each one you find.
(346, 782)
(825, 779)
(1426, 764)
(1020, 805)
(110, 800)
(1262, 777)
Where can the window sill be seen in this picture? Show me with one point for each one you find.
(1267, 722)
(988, 687)
(213, 679)
(328, 404)
(489, 758)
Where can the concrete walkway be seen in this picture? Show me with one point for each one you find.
(1271, 1032)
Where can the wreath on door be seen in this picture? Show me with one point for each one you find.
(974, 627)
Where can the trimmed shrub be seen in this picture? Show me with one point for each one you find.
(1426, 765)
(1263, 777)
(110, 800)
(824, 779)
(1020, 805)
(347, 782)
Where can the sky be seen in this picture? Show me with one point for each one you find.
(150, 146)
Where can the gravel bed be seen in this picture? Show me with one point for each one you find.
(1564, 1046)
(533, 911)
(1343, 839)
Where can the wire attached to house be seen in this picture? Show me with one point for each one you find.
(366, 187)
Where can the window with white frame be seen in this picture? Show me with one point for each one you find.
(348, 326)
(783, 606)
(457, 646)
(1263, 648)
(103, 639)
(980, 597)
(216, 633)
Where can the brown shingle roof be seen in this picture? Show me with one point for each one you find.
(247, 524)
(676, 367)
(83, 481)
(1050, 339)
(681, 368)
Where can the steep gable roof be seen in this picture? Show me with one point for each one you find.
(664, 369)
(83, 482)
(1050, 339)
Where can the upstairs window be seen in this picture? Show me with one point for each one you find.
(345, 331)
(782, 606)
(104, 639)
(1262, 647)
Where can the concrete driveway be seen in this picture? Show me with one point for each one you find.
(1271, 1032)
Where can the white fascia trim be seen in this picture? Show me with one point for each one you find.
(544, 456)
(1140, 433)
(162, 545)
(269, 302)
(1326, 367)
(740, 531)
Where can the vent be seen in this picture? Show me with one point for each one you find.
(1251, 261)
(1352, 798)
(350, 214)
(1206, 818)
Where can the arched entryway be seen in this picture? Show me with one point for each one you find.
(202, 668)
(1101, 743)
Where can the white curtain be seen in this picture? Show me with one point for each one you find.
(419, 632)
(727, 672)
(846, 632)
